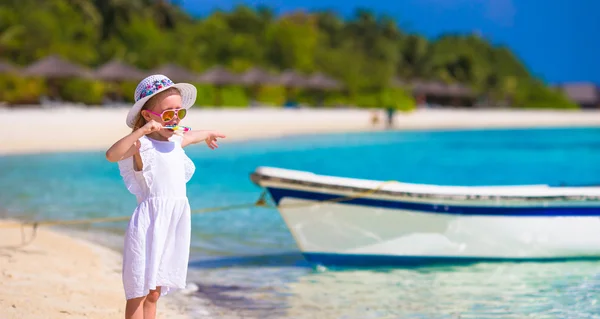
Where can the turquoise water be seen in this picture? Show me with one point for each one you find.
(247, 265)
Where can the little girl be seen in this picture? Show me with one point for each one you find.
(156, 169)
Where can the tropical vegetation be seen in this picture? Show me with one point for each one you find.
(365, 53)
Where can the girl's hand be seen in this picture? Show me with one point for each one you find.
(209, 137)
(151, 126)
(211, 140)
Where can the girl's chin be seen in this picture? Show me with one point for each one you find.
(167, 133)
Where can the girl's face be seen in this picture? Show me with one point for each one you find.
(172, 103)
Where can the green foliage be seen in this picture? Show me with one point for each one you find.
(386, 98)
(533, 94)
(20, 90)
(36, 29)
(364, 52)
(292, 42)
(209, 96)
(271, 95)
(234, 96)
(397, 99)
(336, 99)
(367, 99)
(81, 90)
(205, 96)
(126, 90)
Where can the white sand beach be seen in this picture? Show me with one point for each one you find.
(59, 276)
(87, 129)
(64, 276)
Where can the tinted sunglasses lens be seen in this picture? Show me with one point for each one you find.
(168, 115)
(181, 113)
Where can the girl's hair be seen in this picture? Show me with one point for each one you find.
(139, 119)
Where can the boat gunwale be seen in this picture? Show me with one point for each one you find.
(258, 177)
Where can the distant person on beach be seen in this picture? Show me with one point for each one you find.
(390, 116)
(155, 169)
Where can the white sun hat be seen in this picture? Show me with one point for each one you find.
(154, 84)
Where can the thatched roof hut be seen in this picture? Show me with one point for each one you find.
(321, 81)
(290, 78)
(257, 76)
(436, 88)
(459, 90)
(117, 70)
(176, 73)
(430, 88)
(218, 75)
(584, 94)
(54, 66)
(438, 92)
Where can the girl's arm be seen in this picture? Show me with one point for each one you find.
(129, 145)
(210, 137)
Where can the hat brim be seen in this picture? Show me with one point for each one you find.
(188, 99)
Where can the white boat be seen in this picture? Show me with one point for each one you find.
(340, 221)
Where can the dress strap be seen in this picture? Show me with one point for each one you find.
(146, 144)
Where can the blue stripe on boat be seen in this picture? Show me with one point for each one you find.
(352, 260)
(518, 211)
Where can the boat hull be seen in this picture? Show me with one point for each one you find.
(386, 230)
(373, 261)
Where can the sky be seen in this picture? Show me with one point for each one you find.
(558, 40)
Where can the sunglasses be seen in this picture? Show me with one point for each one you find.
(170, 114)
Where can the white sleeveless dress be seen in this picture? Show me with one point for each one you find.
(157, 239)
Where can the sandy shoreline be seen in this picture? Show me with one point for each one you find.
(95, 129)
(61, 275)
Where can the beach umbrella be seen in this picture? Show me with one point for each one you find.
(116, 70)
(54, 67)
(254, 78)
(219, 76)
(176, 73)
(321, 81)
(257, 76)
(292, 79)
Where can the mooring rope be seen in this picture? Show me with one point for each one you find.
(261, 202)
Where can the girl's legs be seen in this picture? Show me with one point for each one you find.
(133, 308)
(150, 303)
(143, 307)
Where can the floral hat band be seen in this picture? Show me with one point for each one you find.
(154, 86)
